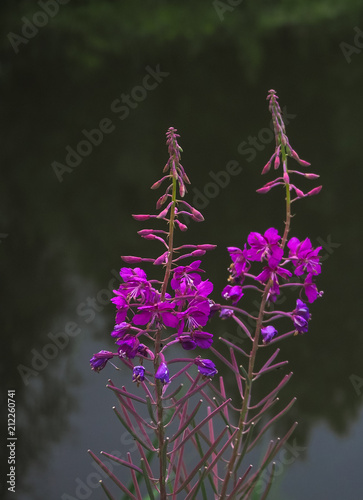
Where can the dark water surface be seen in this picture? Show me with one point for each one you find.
(62, 232)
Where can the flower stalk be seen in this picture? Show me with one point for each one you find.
(153, 316)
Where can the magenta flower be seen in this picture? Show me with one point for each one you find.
(138, 374)
(160, 312)
(120, 329)
(128, 346)
(301, 316)
(204, 288)
(304, 256)
(162, 373)
(233, 293)
(122, 306)
(186, 278)
(263, 247)
(273, 273)
(268, 333)
(225, 313)
(99, 360)
(239, 264)
(206, 367)
(311, 290)
(136, 285)
(196, 315)
(191, 340)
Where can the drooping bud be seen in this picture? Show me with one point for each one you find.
(304, 163)
(131, 259)
(159, 182)
(286, 178)
(161, 201)
(314, 191)
(197, 253)
(181, 226)
(161, 259)
(311, 176)
(206, 246)
(164, 212)
(196, 215)
(298, 192)
(141, 217)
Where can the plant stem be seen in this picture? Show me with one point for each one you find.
(247, 395)
(159, 385)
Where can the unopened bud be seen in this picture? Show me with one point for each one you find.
(181, 226)
(294, 154)
(196, 215)
(277, 162)
(314, 191)
(206, 246)
(159, 182)
(286, 178)
(311, 176)
(161, 259)
(161, 201)
(197, 253)
(298, 192)
(164, 212)
(141, 217)
(130, 259)
(143, 232)
(304, 163)
(266, 168)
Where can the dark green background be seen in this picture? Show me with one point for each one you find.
(60, 241)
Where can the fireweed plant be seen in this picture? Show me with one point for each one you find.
(188, 450)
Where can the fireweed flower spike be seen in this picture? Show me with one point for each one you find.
(156, 317)
(282, 257)
(153, 315)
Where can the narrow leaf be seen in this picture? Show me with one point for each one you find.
(272, 393)
(187, 421)
(273, 420)
(131, 431)
(112, 476)
(149, 486)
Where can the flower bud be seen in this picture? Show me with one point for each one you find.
(197, 216)
(277, 162)
(159, 182)
(304, 163)
(161, 259)
(181, 226)
(161, 201)
(299, 193)
(141, 217)
(130, 259)
(266, 168)
(314, 191)
(206, 246)
(311, 176)
(197, 253)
